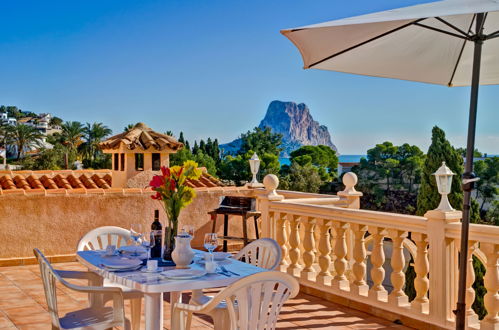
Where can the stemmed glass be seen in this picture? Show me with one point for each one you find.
(148, 244)
(136, 234)
(189, 230)
(210, 242)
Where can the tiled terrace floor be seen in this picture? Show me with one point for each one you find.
(22, 306)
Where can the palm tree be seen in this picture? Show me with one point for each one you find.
(71, 136)
(23, 136)
(4, 140)
(94, 133)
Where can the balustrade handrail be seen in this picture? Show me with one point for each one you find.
(478, 232)
(364, 217)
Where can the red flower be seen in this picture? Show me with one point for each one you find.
(165, 171)
(157, 196)
(172, 184)
(157, 181)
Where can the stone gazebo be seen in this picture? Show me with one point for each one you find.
(137, 154)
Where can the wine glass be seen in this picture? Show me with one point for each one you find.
(136, 234)
(189, 230)
(148, 244)
(210, 242)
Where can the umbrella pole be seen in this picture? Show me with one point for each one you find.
(468, 176)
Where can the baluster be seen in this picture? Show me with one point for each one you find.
(421, 267)
(324, 276)
(377, 291)
(282, 238)
(359, 285)
(491, 283)
(397, 277)
(294, 243)
(340, 281)
(471, 316)
(308, 271)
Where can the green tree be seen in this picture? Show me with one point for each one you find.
(261, 141)
(302, 178)
(55, 121)
(411, 160)
(487, 188)
(23, 136)
(322, 157)
(128, 127)
(492, 215)
(93, 135)
(440, 151)
(71, 137)
(462, 152)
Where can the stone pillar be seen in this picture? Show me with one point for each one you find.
(443, 263)
(271, 182)
(352, 199)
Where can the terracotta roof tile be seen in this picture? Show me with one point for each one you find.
(89, 184)
(48, 183)
(141, 137)
(21, 182)
(62, 182)
(79, 182)
(34, 182)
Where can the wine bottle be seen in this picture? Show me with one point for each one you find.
(157, 231)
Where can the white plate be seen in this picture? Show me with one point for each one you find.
(219, 256)
(121, 263)
(183, 274)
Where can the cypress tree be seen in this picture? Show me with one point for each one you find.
(440, 151)
(195, 149)
(181, 138)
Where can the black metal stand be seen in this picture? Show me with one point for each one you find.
(468, 176)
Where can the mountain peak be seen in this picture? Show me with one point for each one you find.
(296, 125)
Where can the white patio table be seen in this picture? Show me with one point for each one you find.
(154, 284)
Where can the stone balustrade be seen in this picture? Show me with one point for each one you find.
(333, 246)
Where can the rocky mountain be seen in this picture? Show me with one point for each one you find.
(296, 125)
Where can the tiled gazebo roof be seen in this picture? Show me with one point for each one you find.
(141, 137)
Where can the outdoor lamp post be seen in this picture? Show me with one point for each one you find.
(444, 183)
(254, 167)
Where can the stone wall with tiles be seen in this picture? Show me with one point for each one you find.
(55, 221)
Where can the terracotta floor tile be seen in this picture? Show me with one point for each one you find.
(22, 302)
(5, 323)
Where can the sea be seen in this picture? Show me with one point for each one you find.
(342, 159)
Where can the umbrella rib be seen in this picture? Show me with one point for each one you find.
(441, 31)
(365, 42)
(452, 26)
(460, 54)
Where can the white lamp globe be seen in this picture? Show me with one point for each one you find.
(443, 176)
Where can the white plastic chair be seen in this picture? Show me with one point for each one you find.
(264, 253)
(98, 239)
(252, 303)
(94, 317)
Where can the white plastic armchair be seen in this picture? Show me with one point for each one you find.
(94, 317)
(252, 303)
(98, 239)
(264, 252)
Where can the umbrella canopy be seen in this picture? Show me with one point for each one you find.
(450, 42)
(429, 43)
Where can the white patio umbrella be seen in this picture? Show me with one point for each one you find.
(450, 42)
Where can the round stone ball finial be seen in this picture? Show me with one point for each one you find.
(271, 182)
(350, 180)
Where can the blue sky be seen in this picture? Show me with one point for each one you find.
(210, 68)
